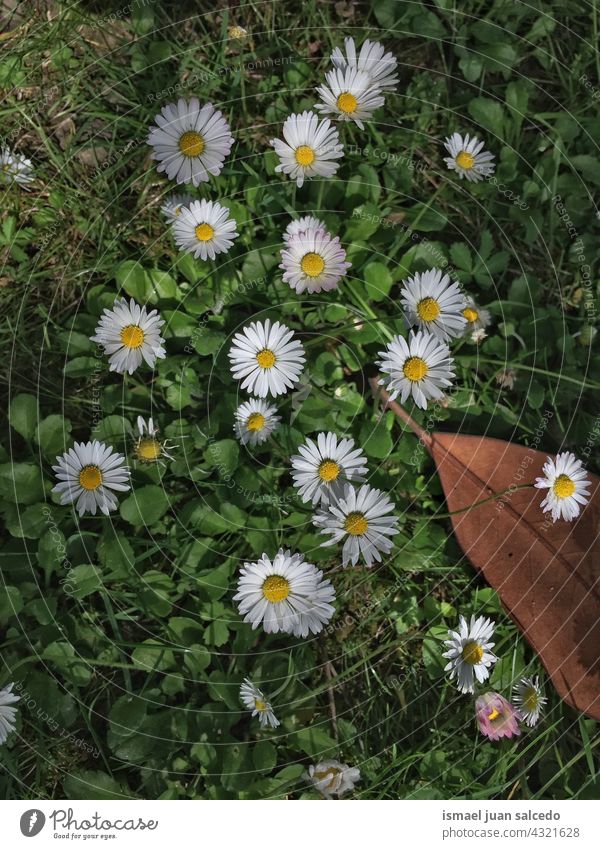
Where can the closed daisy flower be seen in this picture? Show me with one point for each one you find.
(15, 168)
(173, 205)
(372, 60)
(419, 368)
(360, 518)
(266, 358)
(323, 469)
(568, 486)
(255, 421)
(349, 95)
(190, 141)
(148, 447)
(89, 474)
(478, 318)
(469, 652)
(435, 304)
(496, 717)
(204, 229)
(7, 712)
(130, 335)
(467, 157)
(332, 778)
(529, 699)
(286, 594)
(313, 261)
(301, 225)
(310, 148)
(254, 700)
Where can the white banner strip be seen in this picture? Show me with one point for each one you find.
(289, 825)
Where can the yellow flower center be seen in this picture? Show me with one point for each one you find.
(329, 470)
(312, 264)
(191, 144)
(356, 524)
(90, 477)
(428, 309)
(347, 103)
(563, 486)
(305, 155)
(530, 699)
(276, 588)
(330, 775)
(237, 32)
(415, 369)
(148, 449)
(472, 653)
(266, 358)
(465, 160)
(132, 336)
(256, 421)
(494, 714)
(204, 232)
(259, 704)
(470, 314)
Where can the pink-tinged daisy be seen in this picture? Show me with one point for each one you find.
(313, 261)
(496, 716)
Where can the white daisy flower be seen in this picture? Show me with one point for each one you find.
(173, 205)
(130, 335)
(148, 447)
(15, 168)
(467, 158)
(332, 778)
(309, 149)
(191, 141)
(350, 95)
(323, 470)
(433, 303)
(478, 318)
(255, 421)
(88, 474)
(267, 358)
(419, 368)
(313, 261)
(204, 229)
(300, 225)
(361, 519)
(469, 652)
(285, 594)
(529, 700)
(255, 700)
(7, 713)
(568, 485)
(372, 60)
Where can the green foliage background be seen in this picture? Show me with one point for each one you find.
(121, 632)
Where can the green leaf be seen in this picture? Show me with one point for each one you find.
(378, 281)
(91, 784)
(83, 580)
(223, 455)
(488, 114)
(21, 483)
(145, 506)
(376, 440)
(53, 435)
(264, 756)
(316, 742)
(132, 278)
(23, 414)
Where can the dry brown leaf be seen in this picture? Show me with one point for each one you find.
(545, 573)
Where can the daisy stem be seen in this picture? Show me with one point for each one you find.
(585, 383)
(360, 302)
(493, 497)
